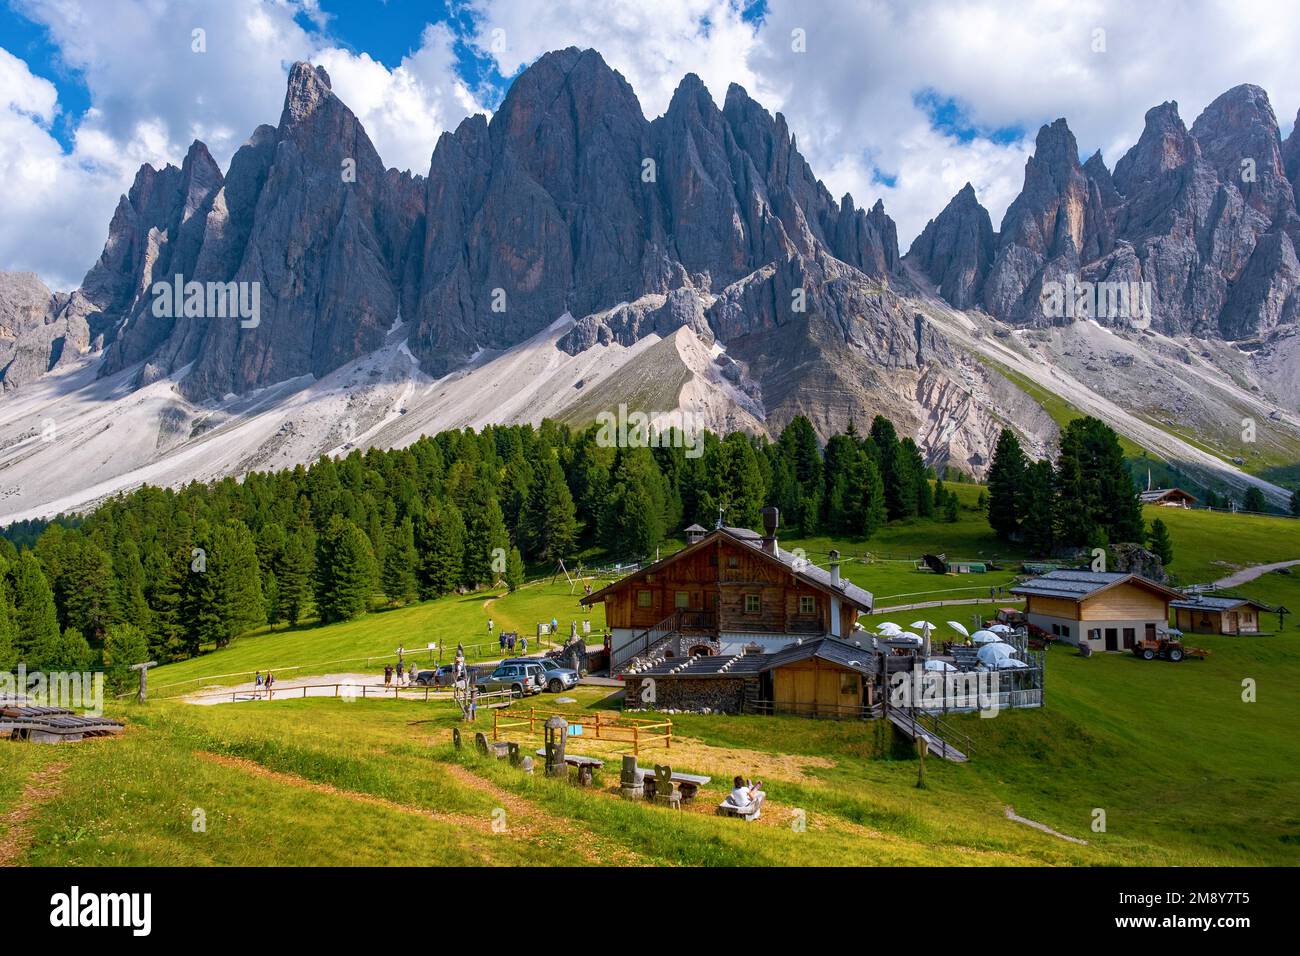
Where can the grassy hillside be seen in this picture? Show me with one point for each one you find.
(1186, 773)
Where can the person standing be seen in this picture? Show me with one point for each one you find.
(523, 645)
(388, 674)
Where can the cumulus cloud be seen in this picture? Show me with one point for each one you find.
(860, 94)
(163, 74)
(405, 109)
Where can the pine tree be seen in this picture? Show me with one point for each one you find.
(884, 440)
(951, 514)
(237, 581)
(292, 576)
(1006, 479)
(124, 645)
(550, 519)
(164, 581)
(400, 564)
(514, 570)
(485, 539)
(132, 605)
(1295, 503)
(352, 573)
(1038, 507)
(35, 618)
(8, 625)
(1159, 542)
(88, 588)
(1254, 501)
(442, 549)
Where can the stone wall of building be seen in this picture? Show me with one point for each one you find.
(722, 695)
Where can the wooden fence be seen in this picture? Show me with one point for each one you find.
(639, 733)
(361, 691)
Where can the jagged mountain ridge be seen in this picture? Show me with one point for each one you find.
(703, 225)
(1206, 216)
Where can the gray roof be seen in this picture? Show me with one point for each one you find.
(856, 657)
(1208, 603)
(1077, 585)
(830, 649)
(1155, 494)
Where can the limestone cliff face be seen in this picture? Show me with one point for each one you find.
(1205, 218)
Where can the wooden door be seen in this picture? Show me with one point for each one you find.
(1112, 639)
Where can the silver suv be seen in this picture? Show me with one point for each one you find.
(555, 678)
(520, 678)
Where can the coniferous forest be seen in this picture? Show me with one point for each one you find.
(158, 573)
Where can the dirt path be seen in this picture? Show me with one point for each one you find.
(524, 820)
(525, 817)
(42, 785)
(1252, 572)
(1010, 814)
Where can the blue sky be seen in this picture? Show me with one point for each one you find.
(899, 100)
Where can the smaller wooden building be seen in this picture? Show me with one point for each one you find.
(1204, 614)
(1167, 498)
(825, 677)
(1109, 610)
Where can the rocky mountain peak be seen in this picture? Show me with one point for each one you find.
(956, 249)
(308, 87)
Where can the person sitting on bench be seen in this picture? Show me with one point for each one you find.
(747, 798)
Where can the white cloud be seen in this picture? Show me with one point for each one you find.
(404, 110)
(850, 98)
(652, 44)
(153, 94)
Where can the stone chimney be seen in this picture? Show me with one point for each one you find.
(771, 521)
(835, 568)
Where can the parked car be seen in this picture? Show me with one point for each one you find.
(519, 679)
(555, 677)
(444, 675)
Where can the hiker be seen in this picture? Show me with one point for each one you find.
(523, 645)
(489, 625)
(270, 679)
(555, 625)
(257, 686)
(388, 674)
(473, 702)
(501, 640)
(510, 643)
(746, 797)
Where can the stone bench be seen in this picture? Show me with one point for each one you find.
(728, 809)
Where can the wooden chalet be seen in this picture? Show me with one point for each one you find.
(1167, 498)
(729, 591)
(1204, 614)
(1108, 610)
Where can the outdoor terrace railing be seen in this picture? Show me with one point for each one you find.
(812, 709)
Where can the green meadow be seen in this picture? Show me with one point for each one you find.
(1150, 763)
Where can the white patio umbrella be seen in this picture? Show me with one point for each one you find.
(888, 627)
(926, 627)
(959, 628)
(906, 637)
(939, 666)
(1008, 663)
(1001, 629)
(992, 653)
(985, 637)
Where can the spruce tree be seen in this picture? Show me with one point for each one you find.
(36, 622)
(8, 625)
(352, 574)
(442, 549)
(1254, 501)
(1006, 479)
(514, 570)
(293, 576)
(1159, 542)
(550, 519)
(124, 645)
(401, 561)
(1295, 503)
(1038, 507)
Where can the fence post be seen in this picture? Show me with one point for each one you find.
(597, 725)
(636, 743)
(668, 741)
(496, 713)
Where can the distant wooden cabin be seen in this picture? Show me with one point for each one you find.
(1167, 498)
(728, 590)
(1204, 614)
(1108, 610)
